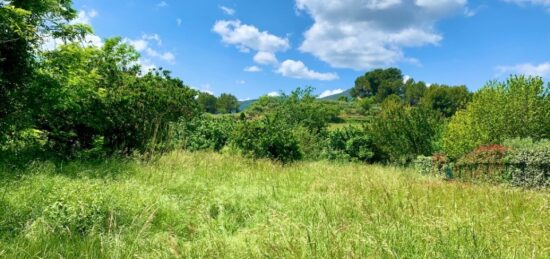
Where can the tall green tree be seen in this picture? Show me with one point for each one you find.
(414, 91)
(446, 99)
(518, 107)
(380, 83)
(24, 25)
(227, 103)
(207, 102)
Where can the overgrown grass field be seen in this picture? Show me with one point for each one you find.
(211, 205)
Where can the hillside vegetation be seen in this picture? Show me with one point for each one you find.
(213, 205)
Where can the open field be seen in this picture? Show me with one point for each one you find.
(211, 205)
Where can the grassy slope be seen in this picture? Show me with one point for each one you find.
(210, 205)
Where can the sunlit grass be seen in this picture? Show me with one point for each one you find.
(211, 205)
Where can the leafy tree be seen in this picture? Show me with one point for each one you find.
(405, 132)
(380, 83)
(227, 103)
(446, 99)
(66, 99)
(414, 91)
(207, 102)
(23, 26)
(518, 107)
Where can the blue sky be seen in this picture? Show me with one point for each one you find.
(252, 48)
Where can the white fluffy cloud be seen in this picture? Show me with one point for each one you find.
(265, 58)
(542, 70)
(252, 69)
(85, 17)
(227, 10)
(361, 34)
(248, 37)
(328, 93)
(297, 69)
(143, 45)
(274, 94)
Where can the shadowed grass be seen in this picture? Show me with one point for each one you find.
(211, 205)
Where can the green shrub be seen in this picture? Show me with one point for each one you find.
(405, 132)
(437, 165)
(529, 163)
(518, 107)
(269, 137)
(352, 144)
(486, 163)
(204, 133)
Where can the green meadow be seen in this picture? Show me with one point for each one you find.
(209, 205)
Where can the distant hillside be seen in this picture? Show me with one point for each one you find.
(347, 93)
(245, 104)
(335, 97)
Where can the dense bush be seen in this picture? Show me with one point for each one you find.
(270, 137)
(519, 107)
(83, 95)
(405, 132)
(204, 133)
(437, 165)
(485, 163)
(352, 144)
(529, 163)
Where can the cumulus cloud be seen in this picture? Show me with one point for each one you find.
(361, 34)
(328, 93)
(297, 69)
(542, 70)
(252, 69)
(85, 17)
(265, 58)
(274, 94)
(249, 38)
(227, 10)
(143, 45)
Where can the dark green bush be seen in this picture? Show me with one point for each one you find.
(352, 144)
(269, 137)
(204, 133)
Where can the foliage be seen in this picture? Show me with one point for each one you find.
(529, 162)
(484, 164)
(519, 107)
(23, 25)
(414, 91)
(379, 83)
(270, 137)
(83, 93)
(405, 132)
(140, 114)
(446, 99)
(207, 102)
(204, 133)
(227, 103)
(352, 144)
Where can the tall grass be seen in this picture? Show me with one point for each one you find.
(211, 205)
